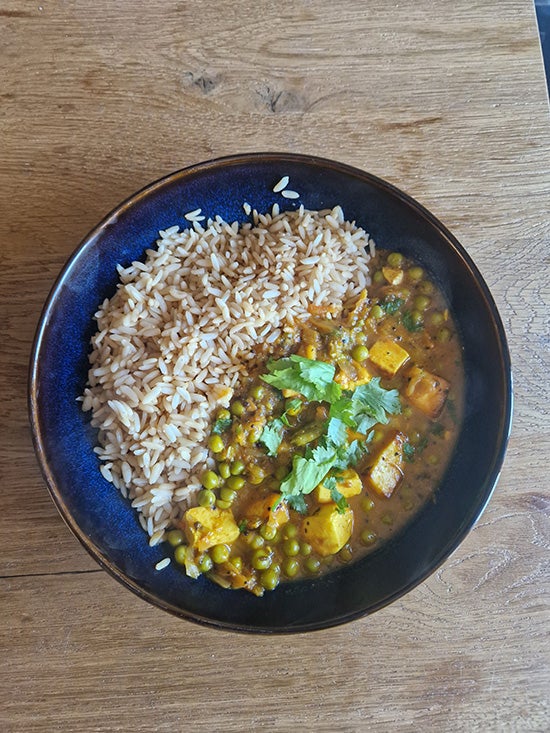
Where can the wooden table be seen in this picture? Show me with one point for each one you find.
(445, 99)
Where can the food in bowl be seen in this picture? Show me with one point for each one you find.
(268, 407)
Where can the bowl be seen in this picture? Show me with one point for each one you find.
(103, 520)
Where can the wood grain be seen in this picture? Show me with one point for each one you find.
(447, 101)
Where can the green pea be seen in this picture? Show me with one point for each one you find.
(261, 559)
(376, 311)
(407, 411)
(224, 469)
(368, 537)
(237, 408)
(205, 564)
(432, 459)
(313, 565)
(360, 353)
(416, 317)
(367, 504)
(258, 392)
(269, 579)
(223, 415)
(227, 494)
(256, 541)
(223, 504)
(408, 505)
(175, 537)
(256, 474)
(254, 433)
(206, 498)
(443, 335)
(235, 483)
(378, 277)
(421, 302)
(210, 480)
(237, 467)
(305, 549)
(416, 273)
(216, 444)
(268, 531)
(395, 259)
(290, 530)
(180, 554)
(387, 519)
(219, 553)
(426, 287)
(291, 547)
(237, 563)
(436, 319)
(345, 553)
(291, 567)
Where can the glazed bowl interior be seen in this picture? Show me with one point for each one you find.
(104, 521)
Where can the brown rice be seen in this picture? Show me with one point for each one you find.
(178, 336)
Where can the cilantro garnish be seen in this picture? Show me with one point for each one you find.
(391, 305)
(221, 425)
(409, 322)
(359, 409)
(410, 451)
(331, 483)
(313, 379)
(272, 435)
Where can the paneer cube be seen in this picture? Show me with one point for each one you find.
(205, 527)
(348, 483)
(388, 356)
(426, 391)
(385, 473)
(393, 275)
(269, 510)
(327, 531)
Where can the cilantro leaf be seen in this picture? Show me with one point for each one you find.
(271, 436)
(337, 431)
(340, 501)
(308, 471)
(314, 379)
(329, 483)
(344, 410)
(408, 452)
(391, 305)
(374, 401)
(297, 502)
(409, 322)
(221, 425)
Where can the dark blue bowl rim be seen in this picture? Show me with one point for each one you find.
(243, 159)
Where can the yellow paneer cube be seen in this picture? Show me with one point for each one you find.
(393, 275)
(327, 531)
(385, 473)
(388, 356)
(205, 527)
(348, 483)
(426, 391)
(270, 510)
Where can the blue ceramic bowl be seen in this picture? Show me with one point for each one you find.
(105, 523)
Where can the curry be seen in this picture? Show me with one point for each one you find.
(343, 434)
